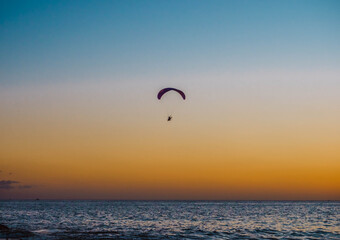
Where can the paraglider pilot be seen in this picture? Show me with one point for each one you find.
(169, 118)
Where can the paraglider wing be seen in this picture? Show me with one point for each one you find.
(165, 90)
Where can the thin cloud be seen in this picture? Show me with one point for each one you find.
(25, 186)
(7, 184)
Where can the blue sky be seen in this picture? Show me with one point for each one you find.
(57, 41)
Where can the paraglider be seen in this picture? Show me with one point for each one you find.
(165, 90)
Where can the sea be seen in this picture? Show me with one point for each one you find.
(65, 220)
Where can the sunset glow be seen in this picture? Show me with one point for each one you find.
(80, 118)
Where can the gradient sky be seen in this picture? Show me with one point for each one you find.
(79, 117)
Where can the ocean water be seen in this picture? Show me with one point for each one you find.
(173, 219)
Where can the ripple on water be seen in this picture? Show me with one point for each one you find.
(173, 219)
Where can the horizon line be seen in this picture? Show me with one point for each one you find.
(173, 200)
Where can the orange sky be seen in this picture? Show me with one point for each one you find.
(103, 140)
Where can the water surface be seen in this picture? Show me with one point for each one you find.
(173, 219)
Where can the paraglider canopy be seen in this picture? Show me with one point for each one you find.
(165, 90)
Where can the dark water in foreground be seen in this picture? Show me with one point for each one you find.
(173, 219)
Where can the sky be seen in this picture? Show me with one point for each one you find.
(79, 116)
